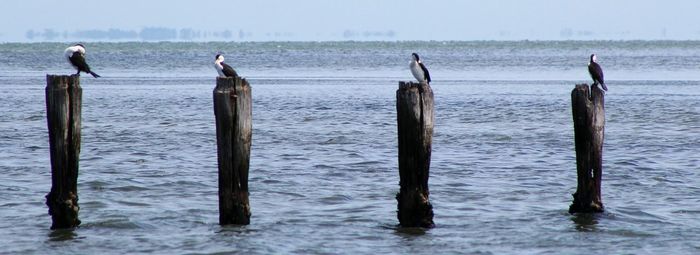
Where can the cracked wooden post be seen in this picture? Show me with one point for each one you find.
(415, 117)
(233, 110)
(63, 113)
(589, 128)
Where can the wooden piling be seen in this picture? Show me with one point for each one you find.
(63, 114)
(589, 128)
(415, 117)
(233, 110)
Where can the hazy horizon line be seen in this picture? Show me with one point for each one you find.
(332, 40)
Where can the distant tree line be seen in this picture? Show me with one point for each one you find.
(184, 34)
(367, 34)
(146, 34)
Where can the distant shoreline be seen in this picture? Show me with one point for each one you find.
(353, 41)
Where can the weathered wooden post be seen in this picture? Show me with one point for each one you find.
(589, 128)
(415, 117)
(233, 109)
(63, 113)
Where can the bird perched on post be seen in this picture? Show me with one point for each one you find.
(418, 69)
(222, 68)
(75, 55)
(596, 73)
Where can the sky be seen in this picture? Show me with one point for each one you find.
(319, 20)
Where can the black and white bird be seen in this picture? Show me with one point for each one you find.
(596, 73)
(75, 55)
(418, 69)
(224, 69)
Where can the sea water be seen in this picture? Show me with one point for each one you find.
(323, 170)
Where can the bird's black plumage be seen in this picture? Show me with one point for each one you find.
(78, 60)
(425, 71)
(228, 70)
(596, 73)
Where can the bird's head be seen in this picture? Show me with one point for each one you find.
(593, 58)
(219, 58)
(415, 57)
(80, 48)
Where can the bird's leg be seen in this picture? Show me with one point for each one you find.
(78, 73)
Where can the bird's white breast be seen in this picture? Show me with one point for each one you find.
(72, 49)
(219, 68)
(416, 70)
(69, 52)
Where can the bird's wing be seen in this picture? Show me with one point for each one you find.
(78, 60)
(228, 70)
(596, 72)
(600, 73)
(425, 71)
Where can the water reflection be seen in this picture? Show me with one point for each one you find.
(233, 229)
(586, 222)
(410, 232)
(59, 235)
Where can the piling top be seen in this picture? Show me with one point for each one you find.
(56, 76)
(590, 93)
(232, 79)
(227, 84)
(62, 81)
(230, 82)
(582, 86)
(409, 84)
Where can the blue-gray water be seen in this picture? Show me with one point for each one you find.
(323, 170)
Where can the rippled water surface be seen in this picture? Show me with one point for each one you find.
(323, 170)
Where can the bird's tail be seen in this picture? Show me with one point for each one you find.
(94, 74)
(604, 87)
